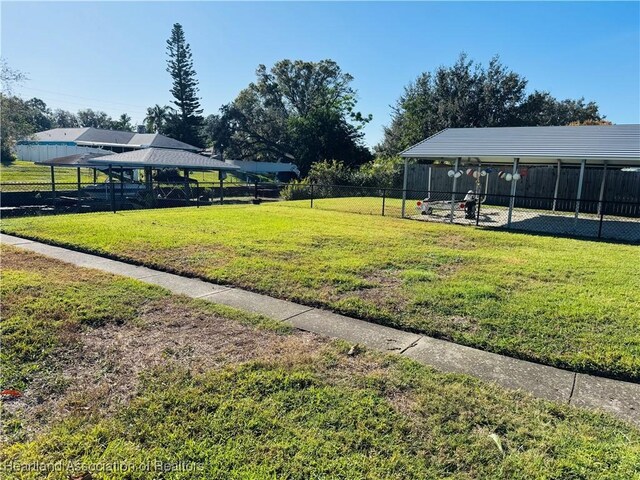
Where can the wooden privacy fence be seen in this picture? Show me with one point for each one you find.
(536, 188)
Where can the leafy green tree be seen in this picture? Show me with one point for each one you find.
(39, 115)
(95, 119)
(185, 124)
(123, 123)
(541, 108)
(20, 119)
(10, 77)
(64, 119)
(468, 95)
(217, 132)
(157, 118)
(14, 117)
(296, 111)
(15, 120)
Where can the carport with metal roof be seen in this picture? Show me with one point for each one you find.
(602, 147)
(147, 159)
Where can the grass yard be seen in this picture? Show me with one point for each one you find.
(113, 370)
(563, 302)
(20, 171)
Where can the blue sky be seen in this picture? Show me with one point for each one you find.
(111, 56)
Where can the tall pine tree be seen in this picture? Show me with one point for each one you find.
(185, 124)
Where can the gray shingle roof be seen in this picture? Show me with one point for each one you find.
(160, 141)
(162, 158)
(615, 143)
(59, 135)
(98, 136)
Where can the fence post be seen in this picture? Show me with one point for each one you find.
(255, 191)
(79, 187)
(384, 197)
(221, 190)
(512, 196)
(478, 210)
(601, 212)
(311, 195)
(53, 187)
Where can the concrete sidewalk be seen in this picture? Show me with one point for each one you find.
(619, 398)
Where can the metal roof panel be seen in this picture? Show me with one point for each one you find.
(598, 142)
(162, 158)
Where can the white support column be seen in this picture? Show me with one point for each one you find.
(512, 198)
(453, 190)
(555, 192)
(404, 185)
(602, 184)
(429, 181)
(583, 164)
(478, 188)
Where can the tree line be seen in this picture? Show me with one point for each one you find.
(306, 112)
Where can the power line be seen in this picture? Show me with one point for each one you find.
(57, 103)
(82, 98)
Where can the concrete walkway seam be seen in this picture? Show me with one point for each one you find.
(614, 396)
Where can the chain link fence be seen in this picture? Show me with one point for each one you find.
(586, 217)
(41, 198)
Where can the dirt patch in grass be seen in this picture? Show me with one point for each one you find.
(98, 368)
(386, 292)
(177, 378)
(516, 287)
(187, 259)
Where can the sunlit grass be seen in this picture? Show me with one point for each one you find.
(310, 411)
(565, 302)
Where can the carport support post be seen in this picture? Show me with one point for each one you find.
(121, 184)
(555, 191)
(429, 182)
(404, 185)
(583, 164)
(453, 189)
(53, 187)
(602, 184)
(187, 194)
(148, 180)
(512, 197)
(112, 192)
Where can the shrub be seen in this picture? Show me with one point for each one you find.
(296, 190)
(380, 173)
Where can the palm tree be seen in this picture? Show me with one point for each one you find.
(157, 118)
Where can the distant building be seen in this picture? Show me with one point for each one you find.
(284, 172)
(61, 142)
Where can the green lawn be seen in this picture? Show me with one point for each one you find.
(20, 171)
(116, 372)
(564, 302)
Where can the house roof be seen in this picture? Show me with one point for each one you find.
(90, 136)
(161, 158)
(264, 167)
(616, 144)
